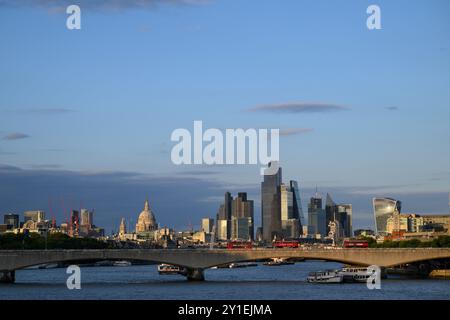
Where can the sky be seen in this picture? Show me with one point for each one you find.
(86, 115)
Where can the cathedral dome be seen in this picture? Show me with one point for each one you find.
(146, 220)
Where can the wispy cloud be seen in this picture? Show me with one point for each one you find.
(294, 131)
(197, 173)
(42, 111)
(46, 166)
(300, 107)
(104, 5)
(6, 153)
(392, 108)
(15, 136)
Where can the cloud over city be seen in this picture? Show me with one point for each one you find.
(300, 107)
(15, 136)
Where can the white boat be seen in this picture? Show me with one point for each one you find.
(122, 263)
(168, 269)
(328, 276)
(242, 265)
(278, 262)
(355, 274)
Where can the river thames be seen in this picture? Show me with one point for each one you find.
(286, 282)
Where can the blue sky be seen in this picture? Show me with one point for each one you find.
(107, 97)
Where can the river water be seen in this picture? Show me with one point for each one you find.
(261, 282)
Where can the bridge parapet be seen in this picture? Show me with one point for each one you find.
(11, 260)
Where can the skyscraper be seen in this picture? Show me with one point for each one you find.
(242, 217)
(316, 216)
(383, 209)
(224, 218)
(87, 218)
(346, 210)
(330, 212)
(271, 205)
(297, 202)
(341, 214)
(207, 225)
(290, 225)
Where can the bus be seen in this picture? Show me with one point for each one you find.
(286, 244)
(356, 244)
(233, 245)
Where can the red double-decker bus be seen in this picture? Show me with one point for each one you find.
(236, 245)
(356, 244)
(286, 244)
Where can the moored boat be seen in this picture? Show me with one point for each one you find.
(122, 263)
(328, 276)
(355, 274)
(242, 265)
(278, 262)
(168, 269)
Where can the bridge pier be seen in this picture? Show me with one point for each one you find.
(196, 274)
(7, 276)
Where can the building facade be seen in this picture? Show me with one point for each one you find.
(271, 205)
(317, 216)
(36, 216)
(12, 221)
(383, 209)
(242, 217)
(207, 225)
(146, 221)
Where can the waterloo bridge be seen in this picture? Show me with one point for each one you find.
(197, 260)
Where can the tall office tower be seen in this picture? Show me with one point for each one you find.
(298, 209)
(345, 213)
(242, 217)
(383, 209)
(11, 220)
(207, 225)
(289, 218)
(224, 218)
(271, 205)
(36, 216)
(316, 216)
(330, 211)
(87, 218)
(222, 230)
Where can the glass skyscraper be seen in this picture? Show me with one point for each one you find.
(316, 216)
(297, 203)
(271, 205)
(383, 209)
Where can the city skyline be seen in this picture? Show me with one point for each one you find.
(280, 188)
(361, 113)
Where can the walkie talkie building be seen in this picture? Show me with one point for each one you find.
(383, 208)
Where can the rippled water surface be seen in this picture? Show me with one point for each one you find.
(262, 282)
